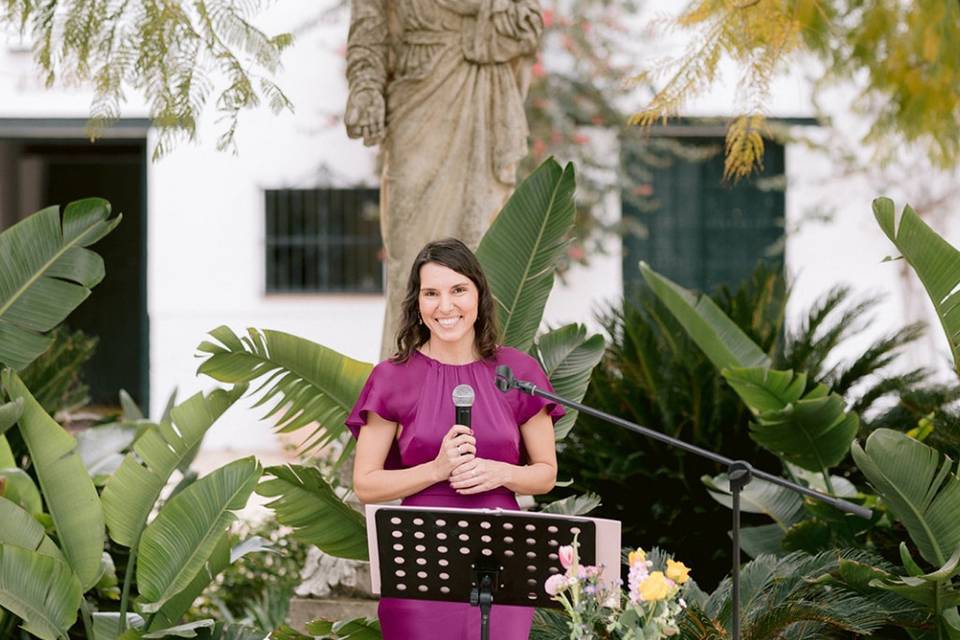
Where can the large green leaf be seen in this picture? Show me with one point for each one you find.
(19, 528)
(305, 502)
(568, 357)
(813, 432)
(519, 251)
(17, 485)
(310, 383)
(352, 629)
(919, 487)
(41, 590)
(46, 272)
(9, 414)
(67, 488)
(934, 260)
(782, 505)
(721, 340)
(575, 505)
(101, 447)
(186, 532)
(132, 491)
(171, 612)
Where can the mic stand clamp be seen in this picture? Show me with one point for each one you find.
(481, 595)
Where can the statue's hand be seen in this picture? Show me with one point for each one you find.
(366, 116)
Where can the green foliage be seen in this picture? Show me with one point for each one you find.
(172, 53)
(41, 590)
(904, 56)
(568, 357)
(47, 271)
(55, 378)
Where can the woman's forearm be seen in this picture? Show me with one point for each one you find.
(531, 479)
(382, 485)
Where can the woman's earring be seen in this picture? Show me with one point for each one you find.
(420, 317)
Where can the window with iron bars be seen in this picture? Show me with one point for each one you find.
(323, 241)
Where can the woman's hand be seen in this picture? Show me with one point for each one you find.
(479, 475)
(457, 448)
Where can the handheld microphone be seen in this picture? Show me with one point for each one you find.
(463, 400)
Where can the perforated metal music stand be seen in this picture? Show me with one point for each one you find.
(480, 556)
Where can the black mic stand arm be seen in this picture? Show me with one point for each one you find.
(739, 472)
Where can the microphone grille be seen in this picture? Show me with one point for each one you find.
(463, 395)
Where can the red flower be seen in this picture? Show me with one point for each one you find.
(547, 18)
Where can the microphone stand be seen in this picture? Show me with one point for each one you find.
(739, 472)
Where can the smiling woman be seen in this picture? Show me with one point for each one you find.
(409, 447)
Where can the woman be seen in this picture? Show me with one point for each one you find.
(409, 448)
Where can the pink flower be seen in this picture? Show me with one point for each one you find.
(566, 556)
(555, 584)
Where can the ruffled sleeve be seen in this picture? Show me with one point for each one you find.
(378, 395)
(526, 368)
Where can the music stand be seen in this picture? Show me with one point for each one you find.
(481, 556)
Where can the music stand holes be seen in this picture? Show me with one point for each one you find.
(418, 535)
(421, 574)
(463, 537)
(508, 553)
(398, 547)
(486, 552)
(532, 582)
(485, 539)
(531, 568)
(440, 523)
(400, 573)
(421, 561)
(531, 555)
(574, 530)
(531, 541)
(399, 560)
(441, 536)
(530, 527)
(553, 556)
(464, 550)
(485, 525)
(508, 526)
(395, 520)
(422, 588)
(463, 524)
(443, 562)
(401, 586)
(396, 534)
(444, 576)
(552, 529)
(508, 540)
(420, 548)
(554, 570)
(552, 543)
(441, 549)
(444, 589)
(531, 596)
(418, 521)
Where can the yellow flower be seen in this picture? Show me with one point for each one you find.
(677, 571)
(654, 587)
(636, 556)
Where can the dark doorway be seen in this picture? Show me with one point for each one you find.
(39, 173)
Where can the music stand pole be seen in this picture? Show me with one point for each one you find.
(739, 472)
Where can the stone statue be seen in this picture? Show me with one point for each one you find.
(440, 84)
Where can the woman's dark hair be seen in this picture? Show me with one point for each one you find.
(455, 255)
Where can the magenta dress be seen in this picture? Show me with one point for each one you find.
(417, 396)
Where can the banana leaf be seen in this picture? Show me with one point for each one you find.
(519, 251)
(17, 485)
(568, 357)
(179, 541)
(9, 414)
(133, 489)
(41, 590)
(46, 272)
(577, 505)
(782, 505)
(69, 492)
(20, 529)
(352, 629)
(171, 612)
(305, 502)
(6, 454)
(919, 487)
(101, 447)
(933, 259)
(720, 339)
(309, 382)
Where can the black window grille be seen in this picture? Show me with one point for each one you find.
(323, 241)
(693, 226)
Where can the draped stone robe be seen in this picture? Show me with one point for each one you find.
(454, 75)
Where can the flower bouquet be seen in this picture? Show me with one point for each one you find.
(647, 610)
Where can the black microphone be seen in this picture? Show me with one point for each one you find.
(463, 400)
(504, 380)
